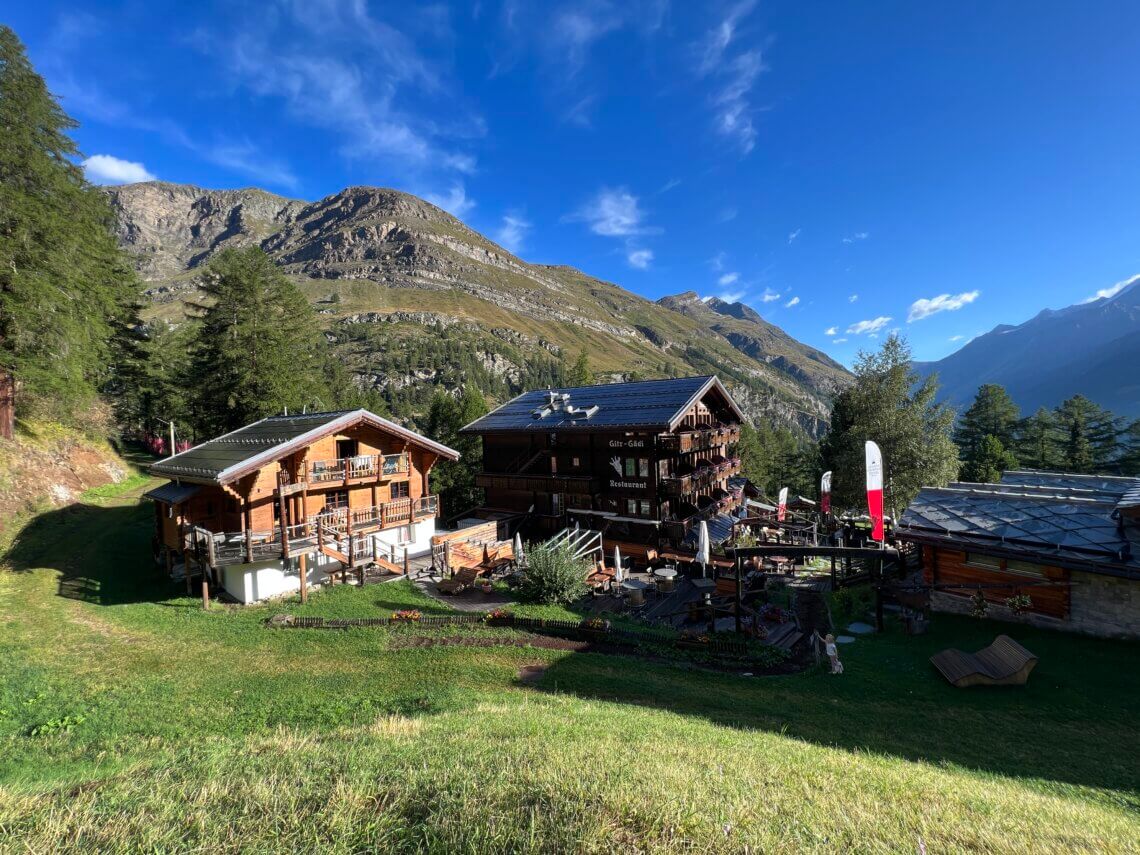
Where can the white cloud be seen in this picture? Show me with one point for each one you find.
(513, 231)
(795, 301)
(792, 237)
(956, 338)
(669, 185)
(857, 237)
(924, 308)
(838, 340)
(736, 74)
(107, 169)
(640, 258)
(769, 296)
(455, 201)
(613, 212)
(852, 298)
(1113, 290)
(727, 279)
(869, 327)
(732, 296)
(717, 261)
(831, 331)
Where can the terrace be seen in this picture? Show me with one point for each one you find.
(704, 475)
(362, 467)
(700, 439)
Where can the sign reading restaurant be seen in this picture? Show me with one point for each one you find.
(628, 485)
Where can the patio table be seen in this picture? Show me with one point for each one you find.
(666, 575)
(636, 590)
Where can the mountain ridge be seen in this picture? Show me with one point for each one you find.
(1085, 348)
(388, 271)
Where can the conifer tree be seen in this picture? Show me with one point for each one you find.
(991, 418)
(67, 293)
(579, 374)
(454, 481)
(260, 350)
(1037, 443)
(1089, 435)
(891, 406)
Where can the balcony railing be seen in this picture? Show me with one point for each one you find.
(700, 439)
(581, 485)
(702, 478)
(362, 466)
(396, 512)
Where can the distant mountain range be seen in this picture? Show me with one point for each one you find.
(1090, 348)
(390, 272)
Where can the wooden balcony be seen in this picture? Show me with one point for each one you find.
(701, 479)
(220, 549)
(362, 467)
(700, 439)
(578, 485)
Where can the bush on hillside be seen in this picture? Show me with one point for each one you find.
(553, 575)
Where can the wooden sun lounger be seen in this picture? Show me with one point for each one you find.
(1003, 663)
(463, 579)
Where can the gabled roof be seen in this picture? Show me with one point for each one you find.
(1049, 517)
(171, 493)
(643, 405)
(232, 455)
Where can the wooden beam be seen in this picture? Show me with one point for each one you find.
(304, 564)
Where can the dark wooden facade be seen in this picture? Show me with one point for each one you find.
(1046, 586)
(640, 485)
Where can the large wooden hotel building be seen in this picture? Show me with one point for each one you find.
(643, 462)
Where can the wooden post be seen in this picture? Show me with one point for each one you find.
(248, 511)
(739, 593)
(304, 564)
(283, 512)
(205, 594)
(405, 562)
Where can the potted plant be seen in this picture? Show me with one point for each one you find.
(486, 586)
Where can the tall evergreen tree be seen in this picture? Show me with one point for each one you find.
(579, 373)
(992, 417)
(67, 293)
(1038, 441)
(260, 350)
(454, 481)
(890, 405)
(1089, 435)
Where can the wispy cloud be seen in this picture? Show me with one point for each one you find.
(727, 279)
(838, 340)
(858, 236)
(512, 232)
(735, 74)
(869, 327)
(669, 185)
(831, 331)
(769, 296)
(853, 298)
(795, 301)
(956, 338)
(727, 215)
(732, 296)
(924, 308)
(455, 201)
(792, 237)
(613, 212)
(107, 169)
(1113, 290)
(718, 260)
(640, 258)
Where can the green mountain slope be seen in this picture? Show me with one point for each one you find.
(413, 298)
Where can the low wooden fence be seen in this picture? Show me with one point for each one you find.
(580, 630)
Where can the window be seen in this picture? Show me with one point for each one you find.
(643, 468)
(637, 508)
(576, 462)
(645, 509)
(636, 468)
(630, 467)
(404, 535)
(400, 489)
(1024, 568)
(631, 507)
(556, 504)
(988, 562)
(346, 448)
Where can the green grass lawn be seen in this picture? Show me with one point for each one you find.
(132, 719)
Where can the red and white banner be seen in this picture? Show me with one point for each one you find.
(782, 504)
(875, 489)
(825, 493)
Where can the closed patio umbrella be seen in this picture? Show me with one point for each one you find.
(519, 549)
(619, 574)
(703, 546)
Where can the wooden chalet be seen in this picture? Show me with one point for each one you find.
(643, 462)
(289, 500)
(1070, 543)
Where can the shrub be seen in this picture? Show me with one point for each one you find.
(553, 575)
(1019, 603)
(978, 604)
(844, 602)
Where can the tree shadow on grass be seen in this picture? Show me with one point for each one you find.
(1073, 722)
(102, 553)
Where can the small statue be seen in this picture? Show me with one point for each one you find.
(832, 652)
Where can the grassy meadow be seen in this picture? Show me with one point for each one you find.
(131, 719)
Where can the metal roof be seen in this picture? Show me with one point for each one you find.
(171, 493)
(643, 404)
(1054, 518)
(228, 457)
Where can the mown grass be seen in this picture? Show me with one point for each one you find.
(130, 719)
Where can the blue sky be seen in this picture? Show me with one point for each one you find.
(845, 168)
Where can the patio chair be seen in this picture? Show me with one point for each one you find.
(1003, 663)
(461, 581)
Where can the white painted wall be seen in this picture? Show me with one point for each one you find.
(262, 580)
(420, 543)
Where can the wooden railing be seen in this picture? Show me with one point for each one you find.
(698, 439)
(361, 466)
(703, 477)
